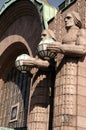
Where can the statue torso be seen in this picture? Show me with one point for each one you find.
(71, 36)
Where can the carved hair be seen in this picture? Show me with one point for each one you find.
(77, 18)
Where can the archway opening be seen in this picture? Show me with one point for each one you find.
(14, 95)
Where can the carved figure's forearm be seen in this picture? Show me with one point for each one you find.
(36, 62)
(67, 49)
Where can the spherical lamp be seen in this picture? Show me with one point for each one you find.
(44, 53)
(19, 63)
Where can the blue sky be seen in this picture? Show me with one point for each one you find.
(55, 2)
(52, 2)
(1, 3)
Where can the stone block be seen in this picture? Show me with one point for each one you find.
(82, 64)
(56, 122)
(81, 122)
(38, 109)
(56, 128)
(81, 81)
(64, 120)
(57, 82)
(80, 128)
(68, 128)
(82, 71)
(38, 117)
(69, 69)
(81, 111)
(81, 100)
(65, 128)
(56, 111)
(37, 126)
(81, 90)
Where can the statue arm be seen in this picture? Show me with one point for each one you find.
(33, 62)
(67, 49)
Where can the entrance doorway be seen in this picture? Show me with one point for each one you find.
(14, 101)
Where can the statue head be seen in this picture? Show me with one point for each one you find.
(47, 33)
(72, 19)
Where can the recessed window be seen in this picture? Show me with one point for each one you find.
(14, 112)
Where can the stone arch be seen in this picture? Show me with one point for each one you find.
(10, 37)
(11, 47)
(10, 40)
(22, 10)
(15, 40)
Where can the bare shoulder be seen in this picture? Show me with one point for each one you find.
(82, 32)
(81, 40)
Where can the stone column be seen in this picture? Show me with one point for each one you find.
(38, 116)
(64, 117)
(81, 94)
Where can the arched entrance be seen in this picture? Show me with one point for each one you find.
(14, 93)
(19, 34)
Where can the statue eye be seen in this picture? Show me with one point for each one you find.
(44, 35)
(68, 17)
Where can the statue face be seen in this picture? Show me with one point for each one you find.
(69, 21)
(44, 35)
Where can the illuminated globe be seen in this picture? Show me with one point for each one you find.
(19, 63)
(44, 53)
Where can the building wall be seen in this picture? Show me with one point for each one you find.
(51, 107)
(70, 94)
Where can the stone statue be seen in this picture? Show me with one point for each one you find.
(36, 62)
(72, 25)
(48, 33)
(74, 41)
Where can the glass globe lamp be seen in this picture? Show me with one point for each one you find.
(44, 53)
(19, 63)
